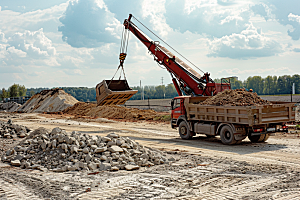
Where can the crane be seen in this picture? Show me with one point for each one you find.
(186, 80)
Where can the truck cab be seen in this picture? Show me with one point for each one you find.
(178, 110)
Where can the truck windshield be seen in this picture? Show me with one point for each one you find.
(176, 103)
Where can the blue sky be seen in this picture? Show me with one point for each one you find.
(76, 43)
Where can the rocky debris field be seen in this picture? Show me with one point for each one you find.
(237, 97)
(59, 151)
(54, 100)
(112, 112)
(9, 106)
(186, 177)
(10, 130)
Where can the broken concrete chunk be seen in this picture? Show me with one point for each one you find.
(100, 149)
(15, 163)
(115, 149)
(106, 139)
(131, 167)
(112, 135)
(105, 166)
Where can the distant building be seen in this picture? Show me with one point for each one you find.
(19, 100)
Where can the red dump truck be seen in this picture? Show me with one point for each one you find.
(232, 123)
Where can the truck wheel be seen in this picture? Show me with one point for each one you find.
(259, 138)
(226, 135)
(184, 131)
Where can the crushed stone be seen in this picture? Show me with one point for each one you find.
(59, 151)
(9, 130)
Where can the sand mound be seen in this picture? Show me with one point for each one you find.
(9, 106)
(238, 97)
(54, 100)
(111, 112)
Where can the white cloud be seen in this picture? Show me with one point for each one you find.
(78, 71)
(28, 48)
(282, 10)
(247, 44)
(35, 44)
(293, 17)
(88, 23)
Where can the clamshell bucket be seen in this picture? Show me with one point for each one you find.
(113, 92)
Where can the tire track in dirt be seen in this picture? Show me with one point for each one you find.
(9, 190)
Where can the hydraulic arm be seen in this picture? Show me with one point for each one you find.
(185, 79)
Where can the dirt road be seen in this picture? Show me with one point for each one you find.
(203, 168)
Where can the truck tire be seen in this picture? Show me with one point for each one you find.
(259, 138)
(184, 131)
(227, 136)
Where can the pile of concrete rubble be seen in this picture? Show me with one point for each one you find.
(59, 151)
(9, 106)
(9, 130)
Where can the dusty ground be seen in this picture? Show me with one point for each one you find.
(202, 168)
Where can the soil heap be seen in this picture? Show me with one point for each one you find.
(59, 151)
(237, 97)
(9, 106)
(54, 100)
(111, 112)
(9, 130)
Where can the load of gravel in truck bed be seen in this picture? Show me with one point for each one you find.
(54, 100)
(112, 112)
(61, 151)
(237, 97)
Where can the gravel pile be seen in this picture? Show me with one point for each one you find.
(9, 130)
(54, 100)
(9, 106)
(59, 151)
(237, 97)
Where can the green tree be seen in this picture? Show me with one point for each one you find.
(236, 84)
(160, 92)
(22, 90)
(256, 83)
(281, 85)
(32, 93)
(4, 94)
(296, 80)
(14, 90)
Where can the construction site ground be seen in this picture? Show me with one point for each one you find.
(203, 168)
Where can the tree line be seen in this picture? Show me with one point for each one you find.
(15, 90)
(271, 85)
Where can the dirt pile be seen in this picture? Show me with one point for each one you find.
(9, 106)
(54, 100)
(111, 112)
(9, 130)
(60, 151)
(237, 97)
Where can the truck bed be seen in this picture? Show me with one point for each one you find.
(251, 115)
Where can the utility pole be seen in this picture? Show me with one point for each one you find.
(162, 80)
(141, 90)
